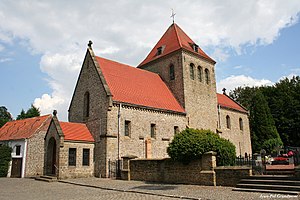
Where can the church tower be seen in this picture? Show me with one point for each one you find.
(189, 73)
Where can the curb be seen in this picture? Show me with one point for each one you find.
(130, 191)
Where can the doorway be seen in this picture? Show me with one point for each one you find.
(51, 157)
(16, 168)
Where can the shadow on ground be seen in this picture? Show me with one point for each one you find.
(156, 187)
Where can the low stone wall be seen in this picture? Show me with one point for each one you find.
(168, 171)
(231, 175)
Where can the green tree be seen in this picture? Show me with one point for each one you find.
(5, 116)
(31, 112)
(191, 144)
(284, 103)
(5, 157)
(262, 126)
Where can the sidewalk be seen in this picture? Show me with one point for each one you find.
(165, 190)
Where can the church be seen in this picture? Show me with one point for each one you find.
(136, 111)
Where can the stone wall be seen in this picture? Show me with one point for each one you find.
(240, 138)
(35, 155)
(231, 175)
(200, 97)
(78, 171)
(168, 171)
(90, 80)
(140, 125)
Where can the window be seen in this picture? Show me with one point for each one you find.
(72, 156)
(127, 129)
(241, 124)
(176, 130)
(200, 74)
(195, 47)
(192, 71)
(207, 80)
(172, 72)
(153, 131)
(228, 122)
(159, 51)
(18, 150)
(86, 157)
(86, 103)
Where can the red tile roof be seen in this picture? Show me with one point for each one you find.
(173, 39)
(225, 101)
(76, 132)
(136, 86)
(22, 129)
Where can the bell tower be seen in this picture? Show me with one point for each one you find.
(189, 73)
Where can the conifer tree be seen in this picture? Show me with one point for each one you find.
(262, 125)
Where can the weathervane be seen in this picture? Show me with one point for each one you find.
(173, 15)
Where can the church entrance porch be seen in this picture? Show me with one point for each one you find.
(51, 164)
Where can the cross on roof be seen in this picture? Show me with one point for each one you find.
(173, 15)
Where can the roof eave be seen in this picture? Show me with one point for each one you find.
(149, 108)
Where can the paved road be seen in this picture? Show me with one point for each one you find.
(95, 188)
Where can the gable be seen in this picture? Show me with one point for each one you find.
(172, 40)
(136, 86)
(22, 129)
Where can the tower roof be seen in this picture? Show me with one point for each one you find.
(174, 39)
(137, 86)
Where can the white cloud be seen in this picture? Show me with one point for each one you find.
(220, 55)
(2, 60)
(232, 82)
(125, 31)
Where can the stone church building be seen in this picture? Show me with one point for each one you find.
(136, 111)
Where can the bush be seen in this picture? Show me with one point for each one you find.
(270, 144)
(5, 158)
(191, 144)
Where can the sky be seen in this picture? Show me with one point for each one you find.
(43, 43)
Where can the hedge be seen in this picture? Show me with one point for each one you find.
(5, 158)
(191, 144)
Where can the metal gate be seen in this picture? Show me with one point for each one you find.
(114, 168)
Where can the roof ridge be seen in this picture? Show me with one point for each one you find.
(177, 36)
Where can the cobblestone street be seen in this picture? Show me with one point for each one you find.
(96, 188)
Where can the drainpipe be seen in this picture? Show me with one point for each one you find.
(219, 116)
(119, 130)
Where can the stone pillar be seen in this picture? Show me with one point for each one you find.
(125, 171)
(209, 160)
(207, 168)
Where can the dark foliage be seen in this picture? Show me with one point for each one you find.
(5, 158)
(191, 144)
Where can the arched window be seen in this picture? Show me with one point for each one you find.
(241, 124)
(207, 79)
(86, 102)
(192, 74)
(200, 73)
(228, 122)
(172, 72)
